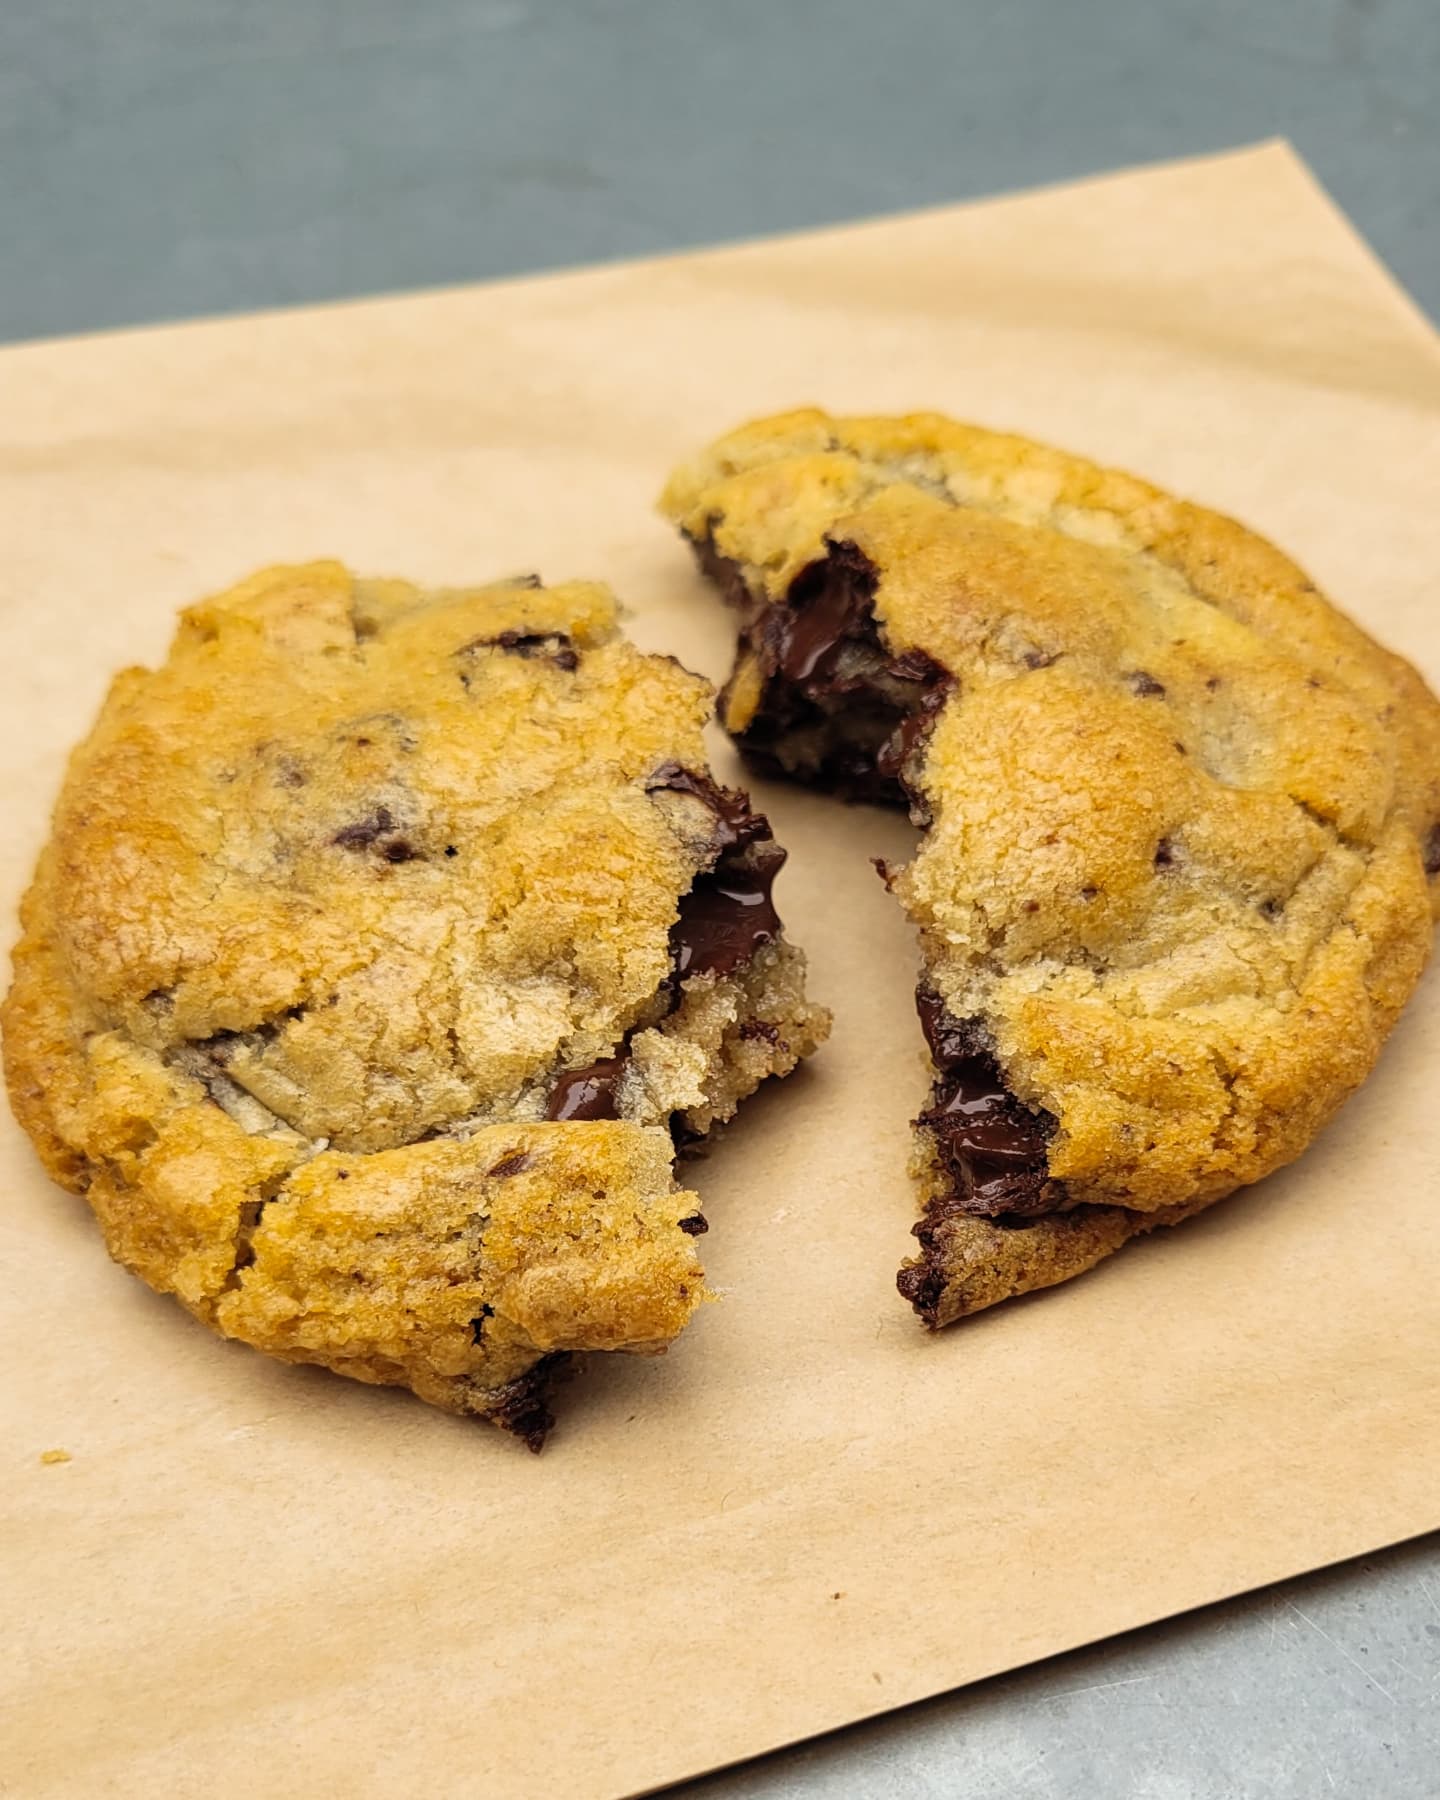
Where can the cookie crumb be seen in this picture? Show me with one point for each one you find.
(55, 1456)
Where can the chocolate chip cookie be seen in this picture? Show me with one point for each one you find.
(1181, 817)
(385, 942)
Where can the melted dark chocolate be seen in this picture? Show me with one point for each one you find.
(728, 914)
(837, 710)
(725, 918)
(914, 727)
(830, 602)
(992, 1145)
(589, 1093)
(951, 1041)
(735, 824)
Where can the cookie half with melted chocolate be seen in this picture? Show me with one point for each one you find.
(386, 945)
(1178, 869)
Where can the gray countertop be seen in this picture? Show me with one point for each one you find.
(172, 157)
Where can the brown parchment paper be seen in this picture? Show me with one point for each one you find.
(254, 1580)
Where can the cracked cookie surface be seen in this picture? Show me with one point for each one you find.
(1182, 817)
(383, 942)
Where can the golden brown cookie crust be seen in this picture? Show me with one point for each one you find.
(1183, 815)
(336, 902)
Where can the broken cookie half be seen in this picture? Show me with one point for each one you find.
(1181, 818)
(386, 943)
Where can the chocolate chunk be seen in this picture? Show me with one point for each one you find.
(726, 575)
(589, 1093)
(760, 1030)
(1145, 685)
(992, 1145)
(694, 1226)
(728, 914)
(830, 601)
(923, 1285)
(376, 833)
(514, 1164)
(951, 1041)
(915, 665)
(520, 1406)
(896, 752)
(832, 695)
(735, 824)
(362, 835)
(1432, 851)
(546, 646)
(902, 744)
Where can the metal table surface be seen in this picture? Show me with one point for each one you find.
(175, 157)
